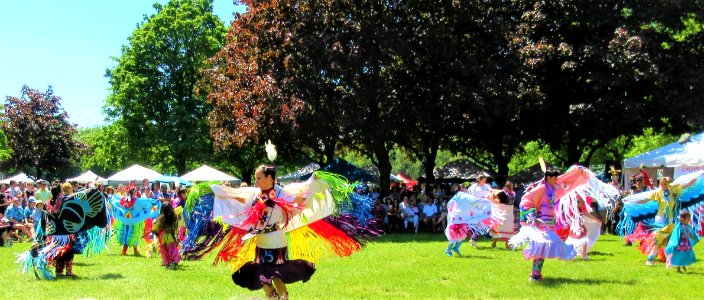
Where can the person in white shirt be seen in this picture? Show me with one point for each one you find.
(430, 215)
(409, 214)
(480, 188)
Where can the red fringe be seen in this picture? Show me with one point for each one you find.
(341, 243)
(254, 213)
(232, 244)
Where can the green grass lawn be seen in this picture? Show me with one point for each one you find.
(396, 266)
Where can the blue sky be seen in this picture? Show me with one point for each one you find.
(69, 44)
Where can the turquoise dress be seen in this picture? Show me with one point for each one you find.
(679, 249)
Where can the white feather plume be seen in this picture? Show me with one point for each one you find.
(270, 150)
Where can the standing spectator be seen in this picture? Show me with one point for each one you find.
(4, 203)
(15, 190)
(165, 196)
(144, 189)
(430, 215)
(43, 192)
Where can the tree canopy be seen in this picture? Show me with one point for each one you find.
(152, 86)
(39, 134)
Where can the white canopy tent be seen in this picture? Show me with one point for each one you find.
(88, 176)
(135, 172)
(206, 173)
(675, 159)
(18, 178)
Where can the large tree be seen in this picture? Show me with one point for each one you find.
(152, 86)
(39, 134)
(603, 71)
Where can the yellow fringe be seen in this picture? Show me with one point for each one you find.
(306, 244)
(246, 254)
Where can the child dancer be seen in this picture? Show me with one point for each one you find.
(578, 236)
(165, 227)
(679, 248)
(501, 205)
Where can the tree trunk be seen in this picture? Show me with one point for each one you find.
(382, 157)
(430, 153)
(573, 153)
(180, 166)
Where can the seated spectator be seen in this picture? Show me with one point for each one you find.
(430, 215)
(394, 220)
(4, 231)
(15, 214)
(28, 211)
(409, 214)
(442, 211)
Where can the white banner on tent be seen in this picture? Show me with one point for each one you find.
(683, 170)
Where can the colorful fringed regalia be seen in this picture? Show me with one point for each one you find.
(277, 233)
(468, 215)
(648, 218)
(546, 208)
(503, 230)
(679, 251)
(78, 226)
(129, 219)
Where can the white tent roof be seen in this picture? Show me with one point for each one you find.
(135, 172)
(206, 173)
(673, 155)
(19, 177)
(86, 177)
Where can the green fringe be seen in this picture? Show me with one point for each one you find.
(135, 236)
(197, 191)
(339, 187)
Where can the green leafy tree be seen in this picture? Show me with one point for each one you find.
(152, 86)
(39, 134)
(603, 70)
(107, 151)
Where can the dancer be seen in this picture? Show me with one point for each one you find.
(467, 215)
(584, 231)
(71, 225)
(130, 213)
(552, 202)
(502, 231)
(165, 228)
(657, 208)
(679, 249)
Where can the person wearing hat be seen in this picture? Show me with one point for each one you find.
(28, 211)
(37, 214)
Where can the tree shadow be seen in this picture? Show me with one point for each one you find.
(553, 282)
(112, 276)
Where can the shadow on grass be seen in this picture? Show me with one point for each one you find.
(597, 253)
(552, 282)
(112, 276)
(470, 256)
(82, 264)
